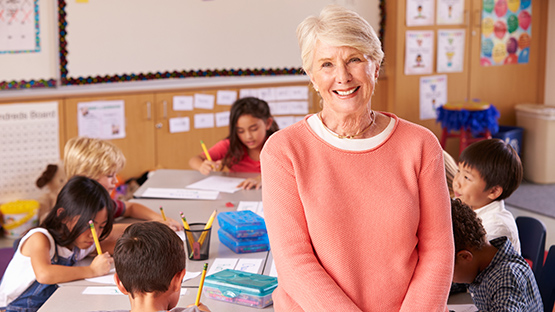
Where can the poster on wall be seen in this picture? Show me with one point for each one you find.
(101, 119)
(419, 52)
(19, 26)
(506, 32)
(450, 12)
(420, 12)
(450, 50)
(29, 142)
(433, 94)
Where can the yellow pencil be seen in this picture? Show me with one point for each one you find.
(197, 302)
(204, 233)
(95, 237)
(190, 237)
(208, 225)
(163, 214)
(205, 150)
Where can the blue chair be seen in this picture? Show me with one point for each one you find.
(531, 233)
(546, 283)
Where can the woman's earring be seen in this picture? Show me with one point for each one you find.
(316, 88)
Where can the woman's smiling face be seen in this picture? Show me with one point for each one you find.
(344, 77)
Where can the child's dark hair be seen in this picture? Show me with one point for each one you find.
(245, 106)
(47, 175)
(497, 162)
(147, 257)
(467, 227)
(80, 198)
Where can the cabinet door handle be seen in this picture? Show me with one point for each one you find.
(165, 108)
(148, 111)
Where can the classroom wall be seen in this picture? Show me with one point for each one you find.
(550, 61)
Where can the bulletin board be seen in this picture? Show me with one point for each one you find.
(103, 41)
(29, 68)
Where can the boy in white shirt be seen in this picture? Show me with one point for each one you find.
(490, 171)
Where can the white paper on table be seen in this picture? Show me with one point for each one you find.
(462, 308)
(249, 265)
(205, 101)
(190, 275)
(218, 183)
(104, 279)
(226, 97)
(152, 192)
(183, 103)
(203, 121)
(222, 119)
(112, 290)
(254, 206)
(180, 124)
(221, 264)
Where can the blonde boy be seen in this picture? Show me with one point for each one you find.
(101, 160)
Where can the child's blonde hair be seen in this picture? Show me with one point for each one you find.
(92, 158)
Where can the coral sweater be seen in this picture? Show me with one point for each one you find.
(358, 231)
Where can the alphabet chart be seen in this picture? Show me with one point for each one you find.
(29, 141)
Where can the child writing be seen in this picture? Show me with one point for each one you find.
(499, 278)
(490, 171)
(158, 254)
(101, 160)
(250, 125)
(45, 255)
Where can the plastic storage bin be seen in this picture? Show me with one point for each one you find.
(538, 122)
(244, 288)
(242, 224)
(244, 245)
(512, 136)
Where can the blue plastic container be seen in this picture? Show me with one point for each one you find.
(244, 288)
(242, 224)
(512, 136)
(244, 245)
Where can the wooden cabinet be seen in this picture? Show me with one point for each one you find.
(149, 144)
(138, 144)
(503, 86)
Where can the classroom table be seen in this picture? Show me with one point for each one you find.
(175, 178)
(69, 297)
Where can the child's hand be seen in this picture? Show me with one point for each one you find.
(209, 166)
(201, 307)
(251, 183)
(102, 264)
(174, 225)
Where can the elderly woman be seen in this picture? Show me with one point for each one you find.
(356, 201)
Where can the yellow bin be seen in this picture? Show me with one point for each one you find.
(19, 216)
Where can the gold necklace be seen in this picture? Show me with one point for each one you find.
(347, 136)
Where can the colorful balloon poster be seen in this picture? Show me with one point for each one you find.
(419, 52)
(433, 94)
(506, 32)
(450, 50)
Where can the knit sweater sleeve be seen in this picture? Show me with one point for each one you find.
(301, 276)
(429, 287)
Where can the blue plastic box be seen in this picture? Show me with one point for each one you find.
(512, 136)
(244, 288)
(242, 224)
(244, 245)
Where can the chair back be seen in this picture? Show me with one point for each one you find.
(531, 233)
(546, 282)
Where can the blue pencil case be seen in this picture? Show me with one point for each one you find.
(242, 224)
(244, 245)
(244, 288)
